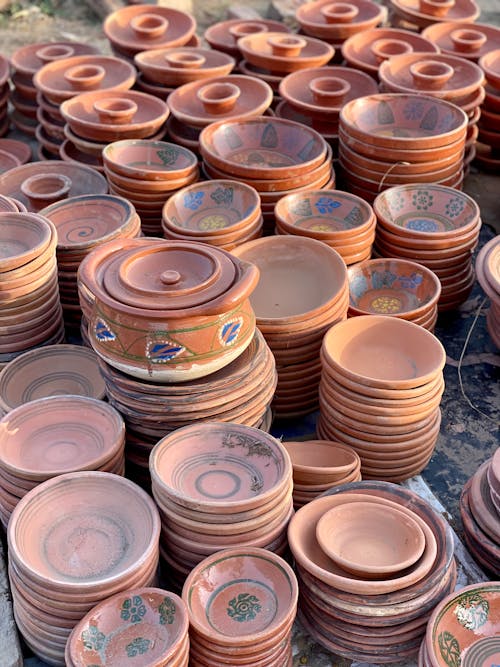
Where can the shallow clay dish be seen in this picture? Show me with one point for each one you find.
(317, 460)
(223, 35)
(177, 66)
(336, 21)
(424, 12)
(466, 40)
(30, 58)
(149, 160)
(276, 52)
(24, 237)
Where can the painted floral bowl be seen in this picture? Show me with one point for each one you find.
(149, 625)
(149, 160)
(392, 287)
(464, 627)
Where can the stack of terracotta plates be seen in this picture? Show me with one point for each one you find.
(4, 95)
(318, 465)
(395, 287)
(219, 212)
(436, 226)
(147, 173)
(488, 275)
(25, 62)
(377, 131)
(82, 224)
(343, 221)
(273, 155)
(74, 541)
(380, 391)
(302, 291)
(51, 436)
(480, 512)
(30, 307)
(240, 393)
(488, 156)
(219, 485)
(247, 616)
(365, 613)
(156, 622)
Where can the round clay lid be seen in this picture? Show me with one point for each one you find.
(284, 53)
(330, 13)
(224, 35)
(168, 276)
(417, 11)
(466, 40)
(28, 59)
(183, 64)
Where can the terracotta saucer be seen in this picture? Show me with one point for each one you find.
(27, 60)
(23, 123)
(337, 21)
(284, 53)
(223, 35)
(177, 66)
(466, 40)
(424, 12)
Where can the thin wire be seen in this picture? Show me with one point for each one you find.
(396, 164)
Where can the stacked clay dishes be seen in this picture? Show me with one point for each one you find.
(436, 226)
(147, 173)
(156, 620)
(462, 39)
(395, 287)
(480, 513)
(423, 13)
(380, 392)
(488, 155)
(466, 620)
(249, 616)
(13, 153)
(241, 393)
(343, 221)
(445, 77)
(5, 95)
(365, 613)
(51, 436)
(488, 275)
(219, 485)
(378, 130)
(302, 291)
(56, 577)
(222, 213)
(318, 465)
(30, 307)
(83, 223)
(273, 155)
(224, 35)
(25, 62)
(63, 79)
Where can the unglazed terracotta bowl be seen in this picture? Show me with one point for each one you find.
(336, 21)
(177, 66)
(277, 52)
(320, 461)
(24, 237)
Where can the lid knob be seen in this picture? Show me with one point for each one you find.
(339, 12)
(431, 74)
(286, 46)
(170, 277)
(149, 25)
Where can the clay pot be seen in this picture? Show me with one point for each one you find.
(284, 53)
(177, 66)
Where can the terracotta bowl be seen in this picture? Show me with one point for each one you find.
(392, 287)
(24, 237)
(320, 461)
(149, 160)
(336, 21)
(177, 66)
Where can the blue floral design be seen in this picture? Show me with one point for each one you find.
(229, 331)
(167, 611)
(161, 351)
(422, 225)
(193, 200)
(327, 205)
(102, 331)
(358, 286)
(222, 196)
(454, 207)
(422, 200)
(133, 609)
(413, 110)
(244, 607)
(93, 639)
(138, 646)
(412, 281)
(381, 279)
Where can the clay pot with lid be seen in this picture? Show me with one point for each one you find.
(335, 20)
(179, 65)
(466, 40)
(168, 310)
(423, 13)
(284, 53)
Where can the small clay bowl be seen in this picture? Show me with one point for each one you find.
(320, 461)
(149, 160)
(336, 21)
(177, 66)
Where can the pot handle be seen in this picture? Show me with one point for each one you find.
(241, 290)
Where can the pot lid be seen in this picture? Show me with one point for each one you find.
(169, 276)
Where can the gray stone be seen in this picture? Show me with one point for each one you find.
(242, 12)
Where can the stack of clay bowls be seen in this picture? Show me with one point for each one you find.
(156, 622)
(30, 308)
(488, 275)
(51, 436)
(315, 96)
(63, 79)
(147, 173)
(465, 40)
(222, 213)
(480, 512)
(343, 221)
(380, 392)
(377, 131)
(488, 155)
(14, 153)
(74, 541)
(142, 27)
(25, 62)
(373, 559)
(302, 291)
(420, 14)
(217, 486)
(370, 48)
(318, 465)
(395, 287)
(274, 155)
(247, 617)
(436, 226)
(445, 77)
(241, 393)
(83, 223)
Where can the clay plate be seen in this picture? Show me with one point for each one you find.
(412, 11)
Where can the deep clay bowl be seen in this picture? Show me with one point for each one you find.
(147, 159)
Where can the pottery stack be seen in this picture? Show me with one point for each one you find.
(275, 156)
(480, 512)
(302, 292)
(424, 13)
(25, 63)
(373, 560)
(147, 173)
(465, 40)
(51, 436)
(224, 35)
(380, 391)
(488, 275)
(378, 131)
(30, 307)
(435, 226)
(488, 154)
(319, 465)
(13, 153)
(4, 95)
(74, 541)
(248, 618)
(343, 221)
(222, 213)
(219, 485)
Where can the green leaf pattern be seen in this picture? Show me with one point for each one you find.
(449, 649)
